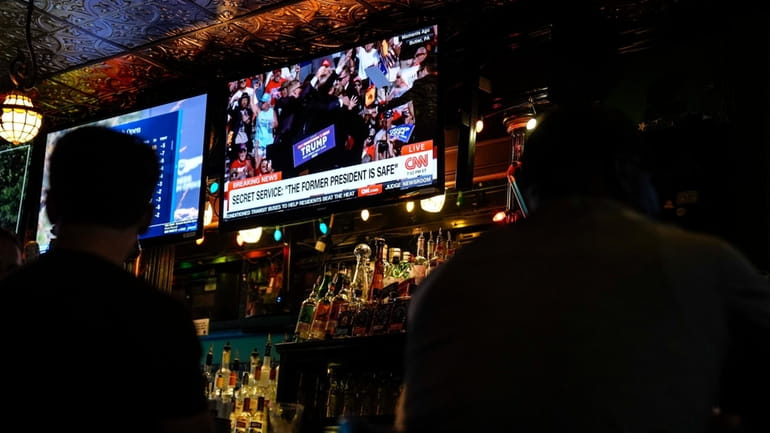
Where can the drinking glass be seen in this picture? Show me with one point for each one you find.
(284, 417)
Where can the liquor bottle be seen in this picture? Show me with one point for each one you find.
(322, 308)
(437, 255)
(222, 382)
(393, 268)
(438, 251)
(343, 322)
(380, 313)
(398, 314)
(242, 419)
(254, 366)
(224, 397)
(306, 312)
(378, 275)
(360, 305)
(380, 310)
(340, 298)
(430, 247)
(336, 393)
(272, 387)
(449, 249)
(235, 371)
(245, 393)
(406, 257)
(239, 418)
(264, 377)
(361, 282)
(258, 420)
(208, 375)
(394, 256)
(420, 259)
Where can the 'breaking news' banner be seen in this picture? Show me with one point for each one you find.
(415, 167)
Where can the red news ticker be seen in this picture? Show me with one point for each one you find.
(370, 190)
(255, 180)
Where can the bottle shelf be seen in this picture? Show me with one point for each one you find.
(370, 367)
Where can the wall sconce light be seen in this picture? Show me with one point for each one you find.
(364, 215)
(250, 236)
(433, 204)
(479, 125)
(20, 122)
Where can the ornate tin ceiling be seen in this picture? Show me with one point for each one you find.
(95, 56)
(99, 57)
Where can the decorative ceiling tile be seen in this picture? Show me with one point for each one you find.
(98, 56)
(227, 10)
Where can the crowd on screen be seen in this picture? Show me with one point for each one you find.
(363, 92)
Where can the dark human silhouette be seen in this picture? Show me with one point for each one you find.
(108, 350)
(10, 252)
(589, 315)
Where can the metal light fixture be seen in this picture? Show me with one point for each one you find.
(250, 236)
(433, 204)
(20, 122)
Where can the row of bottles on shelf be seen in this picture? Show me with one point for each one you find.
(374, 297)
(350, 391)
(241, 393)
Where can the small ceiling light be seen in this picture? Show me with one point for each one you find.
(250, 236)
(531, 124)
(500, 216)
(277, 234)
(20, 122)
(433, 204)
(214, 187)
(479, 125)
(208, 214)
(322, 227)
(364, 215)
(410, 206)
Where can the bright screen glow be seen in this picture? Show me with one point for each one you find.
(177, 131)
(355, 127)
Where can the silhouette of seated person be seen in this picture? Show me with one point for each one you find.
(589, 315)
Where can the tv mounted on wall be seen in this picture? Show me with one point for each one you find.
(354, 128)
(176, 130)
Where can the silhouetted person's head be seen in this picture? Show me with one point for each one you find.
(586, 150)
(10, 252)
(101, 177)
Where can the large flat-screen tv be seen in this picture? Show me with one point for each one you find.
(352, 128)
(177, 132)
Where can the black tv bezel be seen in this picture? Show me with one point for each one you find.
(158, 240)
(312, 213)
